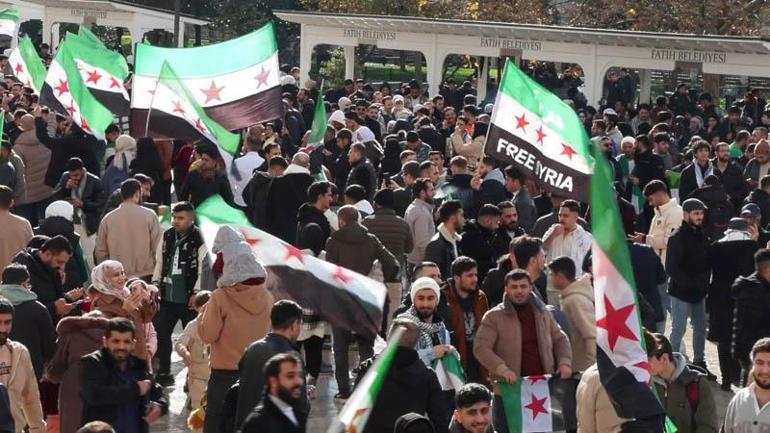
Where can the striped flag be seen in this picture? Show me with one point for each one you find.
(103, 70)
(536, 404)
(8, 19)
(539, 133)
(27, 65)
(65, 92)
(621, 356)
(449, 371)
(176, 114)
(318, 130)
(353, 416)
(236, 82)
(342, 297)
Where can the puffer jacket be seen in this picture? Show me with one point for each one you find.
(577, 303)
(673, 394)
(353, 247)
(36, 159)
(391, 230)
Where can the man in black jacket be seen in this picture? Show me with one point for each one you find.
(279, 410)
(44, 266)
(752, 302)
(361, 170)
(255, 192)
(444, 247)
(761, 197)
(319, 196)
(730, 174)
(409, 386)
(85, 192)
(478, 239)
(75, 143)
(6, 420)
(285, 195)
(286, 324)
(32, 323)
(687, 265)
(115, 385)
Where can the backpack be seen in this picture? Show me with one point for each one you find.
(692, 392)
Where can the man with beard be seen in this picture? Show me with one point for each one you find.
(115, 385)
(279, 410)
(444, 247)
(730, 175)
(433, 341)
(747, 411)
(700, 168)
(508, 230)
(519, 338)
(750, 322)
(419, 217)
(18, 375)
(473, 410)
(463, 305)
(489, 183)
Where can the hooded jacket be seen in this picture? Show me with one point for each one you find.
(32, 325)
(54, 226)
(577, 303)
(673, 396)
(23, 391)
(45, 281)
(762, 199)
(222, 319)
(354, 248)
(443, 249)
(492, 189)
(78, 336)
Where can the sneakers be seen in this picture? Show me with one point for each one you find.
(164, 379)
(341, 396)
(702, 366)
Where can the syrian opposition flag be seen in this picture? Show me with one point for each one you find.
(236, 81)
(449, 371)
(621, 356)
(102, 70)
(175, 113)
(27, 65)
(536, 131)
(538, 404)
(8, 19)
(342, 297)
(353, 416)
(64, 91)
(320, 124)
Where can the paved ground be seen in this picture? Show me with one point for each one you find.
(324, 408)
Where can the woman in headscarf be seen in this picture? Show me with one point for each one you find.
(118, 164)
(114, 298)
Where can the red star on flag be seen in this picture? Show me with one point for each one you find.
(537, 406)
(262, 77)
(71, 109)
(93, 77)
(84, 125)
(341, 276)
(292, 251)
(567, 150)
(62, 88)
(178, 107)
(615, 323)
(540, 135)
(644, 365)
(537, 377)
(359, 413)
(212, 92)
(200, 126)
(19, 68)
(115, 84)
(521, 122)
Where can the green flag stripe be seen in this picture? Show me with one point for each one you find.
(511, 395)
(111, 61)
(10, 14)
(225, 139)
(210, 60)
(553, 111)
(32, 61)
(318, 129)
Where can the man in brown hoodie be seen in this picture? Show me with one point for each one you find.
(237, 314)
(518, 338)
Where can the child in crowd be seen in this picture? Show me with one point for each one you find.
(195, 355)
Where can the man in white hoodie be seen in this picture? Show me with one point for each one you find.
(18, 375)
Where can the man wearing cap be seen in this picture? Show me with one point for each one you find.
(434, 341)
(399, 110)
(611, 120)
(687, 265)
(730, 257)
(752, 215)
(761, 197)
(416, 145)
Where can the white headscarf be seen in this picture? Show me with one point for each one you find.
(125, 151)
(100, 279)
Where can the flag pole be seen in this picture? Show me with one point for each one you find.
(149, 111)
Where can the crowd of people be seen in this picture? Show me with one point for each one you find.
(477, 259)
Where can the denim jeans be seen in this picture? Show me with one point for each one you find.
(680, 311)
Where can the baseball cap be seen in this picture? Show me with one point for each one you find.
(751, 210)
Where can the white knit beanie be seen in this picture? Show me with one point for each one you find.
(60, 208)
(423, 283)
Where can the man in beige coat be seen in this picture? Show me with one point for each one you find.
(130, 234)
(16, 230)
(518, 338)
(577, 304)
(17, 374)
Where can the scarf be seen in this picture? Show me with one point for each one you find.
(735, 235)
(699, 175)
(426, 329)
(637, 199)
(100, 280)
(78, 193)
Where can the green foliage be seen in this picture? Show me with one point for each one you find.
(333, 69)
